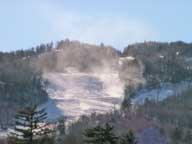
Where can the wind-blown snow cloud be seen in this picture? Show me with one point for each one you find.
(115, 31)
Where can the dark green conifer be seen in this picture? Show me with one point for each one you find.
(129, 138)
(100, 135)
(29, 125)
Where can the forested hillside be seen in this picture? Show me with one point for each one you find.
(20, 82)
(164, 62)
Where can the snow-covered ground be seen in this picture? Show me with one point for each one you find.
(161, 93)
(75, 94)
(4, 133)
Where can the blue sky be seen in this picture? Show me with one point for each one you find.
(27, 23)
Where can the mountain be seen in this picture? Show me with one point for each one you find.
(94, 71)
(37, 75)
(72, 79)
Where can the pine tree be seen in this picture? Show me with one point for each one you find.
(177, 135)
(129, 138)
(109, 135)
(100, 135)
(29, 125)
(188, 137)
(61, 131)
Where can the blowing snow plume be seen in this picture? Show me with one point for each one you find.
(82, 57)
(76, 94)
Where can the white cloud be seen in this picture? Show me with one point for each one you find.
(116, 31)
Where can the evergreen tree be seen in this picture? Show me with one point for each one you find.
(100, 135)
(177, 135)
(109, 135)
(94, 135)
(30, 125)
(188, 137)
(129, 138)
(61, 131)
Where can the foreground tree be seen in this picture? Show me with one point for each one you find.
(100, 135)
(61, 128)
(188, 137)
(177, 135)
(129, 138)
(30, 126)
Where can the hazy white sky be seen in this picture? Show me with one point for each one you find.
(27, 23)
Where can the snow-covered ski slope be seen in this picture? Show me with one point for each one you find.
(75, 94)
(164, 91)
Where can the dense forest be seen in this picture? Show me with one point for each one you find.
(20, 82)
(164, 62)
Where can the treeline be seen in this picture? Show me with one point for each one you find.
(34, 51)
